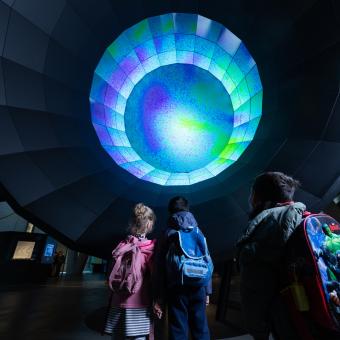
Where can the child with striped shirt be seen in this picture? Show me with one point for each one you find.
(130, 312)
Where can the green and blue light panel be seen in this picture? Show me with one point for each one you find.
(176, 99)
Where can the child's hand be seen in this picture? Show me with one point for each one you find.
(157, 310)
(207, 300)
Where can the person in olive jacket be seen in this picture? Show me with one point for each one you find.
(273, 218)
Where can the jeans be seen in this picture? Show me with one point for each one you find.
(187, 312)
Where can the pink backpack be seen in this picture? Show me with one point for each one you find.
(130, 261)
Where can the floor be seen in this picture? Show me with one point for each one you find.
(69, 309)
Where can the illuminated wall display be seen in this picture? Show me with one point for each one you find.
(23, 250)
(176, 99)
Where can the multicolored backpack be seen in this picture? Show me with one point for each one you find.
(313, 265)
(130, 260)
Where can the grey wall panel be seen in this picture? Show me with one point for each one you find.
(130, 14)
(44, 14)
(9, 220)
(72, 168)
(25, 43)
(312, 202)
(336, 9)
(24, 88)
(102, 20)
(90, 161)
(74, 218)
(316, 97)
(8, 2)
(2, 86)
(4, 18)
(63, 100)
(292, 155)
(315, 34)
(241, 195)
(66, 68)
(74, 34)
(331, 132)
(228, 231)
(72, 132)
(23, 179)
(225, 208)
(321, 169)
(111, 225)
(9, 140)
(34, 128)
(58, 166)
(94, 191)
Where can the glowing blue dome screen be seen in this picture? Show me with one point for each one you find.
(176, 99)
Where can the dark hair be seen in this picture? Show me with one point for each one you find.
(177, 204)
(271, 188)
(275, 187)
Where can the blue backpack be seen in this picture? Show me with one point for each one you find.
(188, 259)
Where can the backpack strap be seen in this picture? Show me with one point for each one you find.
(201, 235)
(196, 235)
(117, 254)
(123, 247)
(306, 214)
(114, 270)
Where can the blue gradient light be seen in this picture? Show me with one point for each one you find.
(176, 99)
(168, 122)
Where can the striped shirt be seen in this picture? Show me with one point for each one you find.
(128, 322)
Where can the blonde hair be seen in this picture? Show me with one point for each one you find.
(142, 220)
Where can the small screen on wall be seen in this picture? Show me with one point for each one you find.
(49, 250)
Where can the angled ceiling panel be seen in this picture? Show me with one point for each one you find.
(25, 43)
(42, 14)
(24, 87)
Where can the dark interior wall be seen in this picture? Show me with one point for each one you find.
(9, 220)
(52, 167)
(22, 270)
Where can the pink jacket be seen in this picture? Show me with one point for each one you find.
(142, 298)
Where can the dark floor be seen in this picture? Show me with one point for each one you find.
(70, 309)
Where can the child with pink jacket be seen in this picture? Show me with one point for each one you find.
(130, 315)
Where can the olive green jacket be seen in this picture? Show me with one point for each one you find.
(260, 253)
(262, 246)
(267, 234)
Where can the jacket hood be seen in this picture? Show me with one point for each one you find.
(289, 215)
(143, 244)
(184, 220)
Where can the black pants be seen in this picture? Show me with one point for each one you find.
(264, 316)
(187, 311)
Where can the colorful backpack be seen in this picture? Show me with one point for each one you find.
(188, 259)
(130, 260)
(313, 266)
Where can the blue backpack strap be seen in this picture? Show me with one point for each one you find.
(193, 243)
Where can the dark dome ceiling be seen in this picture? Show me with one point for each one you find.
(53, 169)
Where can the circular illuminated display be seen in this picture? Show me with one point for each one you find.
(167, 115)
(176, 99)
